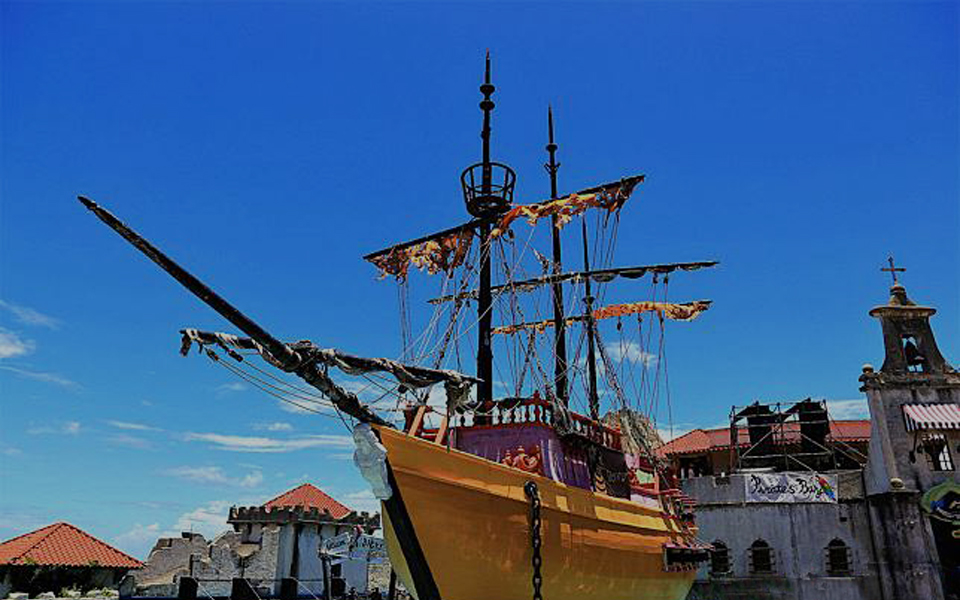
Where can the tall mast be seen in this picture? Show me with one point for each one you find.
(560, 341)
(488, 194)
(591, 326)
(484, 342)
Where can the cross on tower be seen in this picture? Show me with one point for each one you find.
(893, 270)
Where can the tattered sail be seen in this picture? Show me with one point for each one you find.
(686, 311)
(445, 250)
(610, 197)
(598, 276)
(436, 255)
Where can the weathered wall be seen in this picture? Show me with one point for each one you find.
(890, 454)
(35, 580)
(908, 558)
(798, 534)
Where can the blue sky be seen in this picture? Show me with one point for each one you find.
(268, 146)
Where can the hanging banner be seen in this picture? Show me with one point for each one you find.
(790, 487)
(354, 546)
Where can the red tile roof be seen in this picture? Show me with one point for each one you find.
(706, 440)
(309, 496)
(63, 545)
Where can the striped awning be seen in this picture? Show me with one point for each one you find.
(931, 416)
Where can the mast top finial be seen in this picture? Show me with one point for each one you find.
(551, 146)
(493, 193)
(487, 88)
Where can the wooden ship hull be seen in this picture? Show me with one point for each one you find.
(471, 519)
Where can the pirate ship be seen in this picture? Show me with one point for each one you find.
(513, 482)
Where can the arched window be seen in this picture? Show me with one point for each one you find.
(719, 559)
(838, 558)
(761, 557)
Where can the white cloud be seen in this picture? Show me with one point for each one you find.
(298, 409)
(12, 345)
(252, 480)
(231, 388)
(209, 519)
(22, 521)
(139, 539)
(276, 426)
(362, 500)
(132, 426)
(29, 316)
(629, 352)
(242, 443)
(10, 451)
(68, 428)
(130, 441)
(39, 375)
(848, 409)
(215, 475)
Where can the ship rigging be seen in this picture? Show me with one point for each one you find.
(523, 467)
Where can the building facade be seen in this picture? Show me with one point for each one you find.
(60, 557)
(886, 530)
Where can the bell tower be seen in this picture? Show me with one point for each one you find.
(914, 404)
(908, 341)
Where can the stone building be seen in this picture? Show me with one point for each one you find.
(60, 557)
(269, 543)
(790, 521)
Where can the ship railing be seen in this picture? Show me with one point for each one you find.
(536, 410)
(512, 411)
(596, 432)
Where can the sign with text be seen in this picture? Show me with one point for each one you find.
(790, 487)
(354, 546)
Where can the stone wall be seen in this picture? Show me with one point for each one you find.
(798, 533)
(235, 554)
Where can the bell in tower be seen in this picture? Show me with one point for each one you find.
(908, 340)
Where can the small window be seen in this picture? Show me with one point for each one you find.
(838, 558)
(938, 452)
(719, 559)
(761, 558)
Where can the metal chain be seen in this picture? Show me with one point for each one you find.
(534, 494)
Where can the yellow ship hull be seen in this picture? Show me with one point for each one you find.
(471, 519)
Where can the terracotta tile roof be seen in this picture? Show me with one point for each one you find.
(705, 440)
(309, 496)
(63, 545)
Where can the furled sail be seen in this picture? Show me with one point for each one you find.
(598, 276)
(406, 374)
(686, 311)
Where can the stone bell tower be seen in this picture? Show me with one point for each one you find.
(915, 380)
(915, 428)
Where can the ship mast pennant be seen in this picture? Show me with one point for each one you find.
(598, 276)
